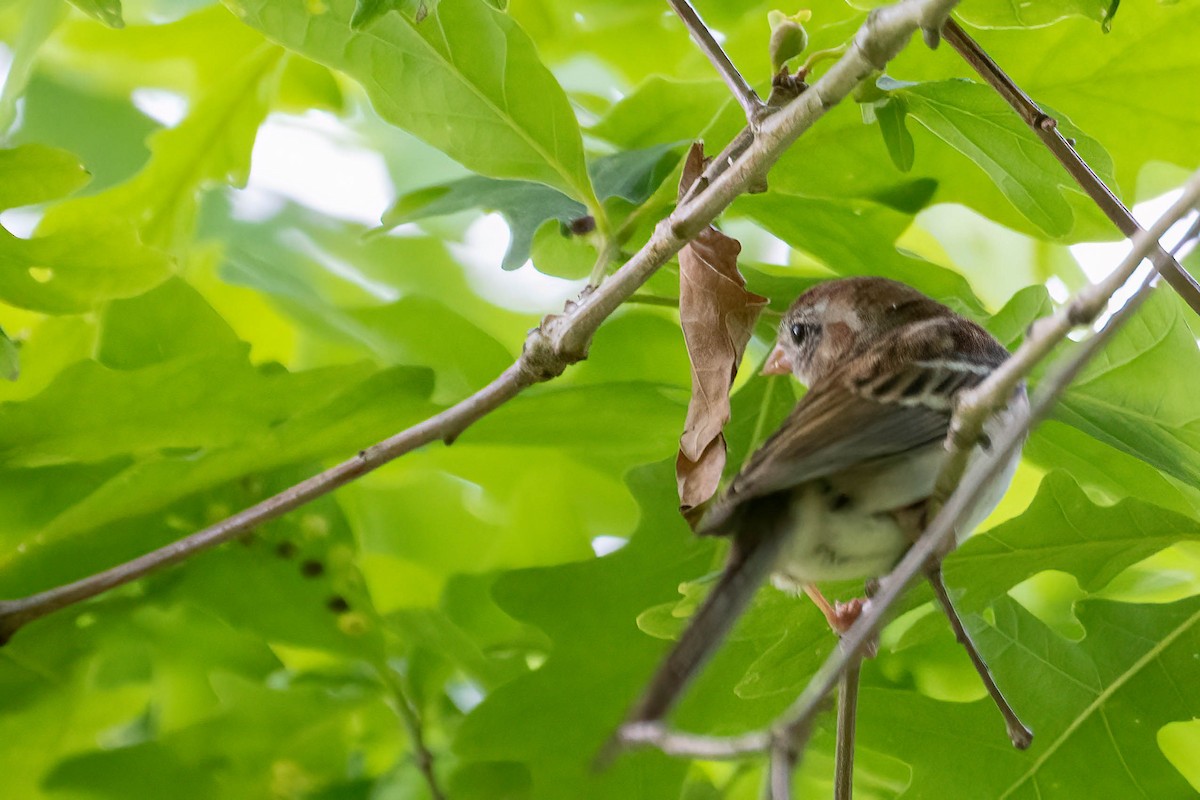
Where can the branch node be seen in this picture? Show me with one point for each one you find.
(683, 228)
(877, 49)
(1045, 122)
(540, 360)
(1080, 314)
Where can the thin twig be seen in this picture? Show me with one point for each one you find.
(847, 716)
(561, 339)
(788, 741)
(780, 766)
(445, 426)
(1046, 128)
(747, 98)
(1018, 732)
(408, 713)
(691, 745)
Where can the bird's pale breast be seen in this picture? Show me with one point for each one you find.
(844, 527)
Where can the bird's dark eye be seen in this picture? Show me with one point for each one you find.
(800, 332)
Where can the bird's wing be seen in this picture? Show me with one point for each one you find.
(864, 412)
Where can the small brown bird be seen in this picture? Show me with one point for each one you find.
(840, 490)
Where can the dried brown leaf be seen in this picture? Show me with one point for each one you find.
(717, 315)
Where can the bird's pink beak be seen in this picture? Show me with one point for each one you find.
(778, 363)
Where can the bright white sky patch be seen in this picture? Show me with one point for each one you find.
(603, 545)
(165, 108)
(313, 160)
(1098, 259)
(523, 289)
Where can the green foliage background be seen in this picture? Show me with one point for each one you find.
(169, 359)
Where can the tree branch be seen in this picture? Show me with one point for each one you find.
(847, 717)
(1018, 732)
(1046, 128)
(408, 713)
(747, 98)
(561, 339)
(691, 745)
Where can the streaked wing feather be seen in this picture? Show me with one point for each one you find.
(833, 430)
(859, 414)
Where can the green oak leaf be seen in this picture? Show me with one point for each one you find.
(1062, 530)
(855, 237)
(35, 173)
(1095, 707)
(211, 146)
(578, 681)
(72, 270)
(10, 362)
(1108, 474)
(467, 61)
(105, 11)
(974, 120)
(1140, 394)
(1005, 14)
(630, 175)
(1107, 84)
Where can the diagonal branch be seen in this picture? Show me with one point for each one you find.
(747, 98)
(1018, 732)
(561, 339)
(1046, 128)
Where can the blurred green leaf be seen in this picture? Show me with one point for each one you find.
(662, 110)
(1140, 394)
(211, 146)
(1094, 706)
(1062, 530)
(37, 22)
(1106, 472)
(895, 133)
(10, 363)
(1004, 14)
(185, 47)
(975, 121)
(106, 11)
(630, 423)
(523, 205)
(631, 175)
(1011, 323)
(595, 603)
(71, 270)
(306, 85)
(35, 173)
(854, 238)
(476, 64)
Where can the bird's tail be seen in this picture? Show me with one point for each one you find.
(753, 555)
